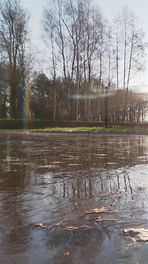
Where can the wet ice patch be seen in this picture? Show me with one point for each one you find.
(137, 234)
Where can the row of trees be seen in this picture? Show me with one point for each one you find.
(86, 54)
(115, 106)
(85, 46)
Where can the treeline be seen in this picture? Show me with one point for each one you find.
(89, 58)
(55, 102)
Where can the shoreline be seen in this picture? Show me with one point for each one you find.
(81, 132)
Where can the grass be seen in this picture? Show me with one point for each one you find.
(116, 129)
(113, 129)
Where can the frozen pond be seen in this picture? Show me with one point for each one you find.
(67, 198)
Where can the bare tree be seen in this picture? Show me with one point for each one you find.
(116, 49)
(13, 35)
(129, 39)
(136, 50)
(78, 34)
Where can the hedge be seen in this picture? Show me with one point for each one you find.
(31, 124)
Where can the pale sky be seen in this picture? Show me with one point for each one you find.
(110, 9)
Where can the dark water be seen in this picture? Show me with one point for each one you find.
(67, 198)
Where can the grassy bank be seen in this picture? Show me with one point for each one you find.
(113, 129)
